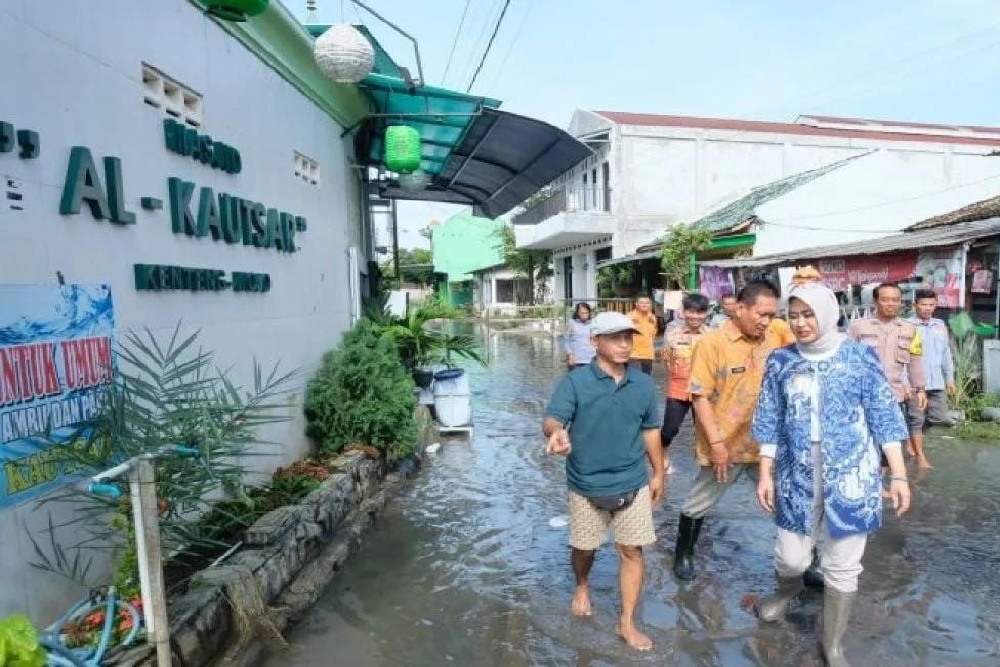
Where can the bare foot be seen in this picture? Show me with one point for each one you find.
(631, 636)
(581, 602)
(922, 462)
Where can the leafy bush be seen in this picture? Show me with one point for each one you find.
(19, 643)
(974, 404)
(675, 255)
(362, 395)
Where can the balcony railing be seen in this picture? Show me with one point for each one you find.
(574, 199)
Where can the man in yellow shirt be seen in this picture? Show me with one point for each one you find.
(644, 320)
(727, 371)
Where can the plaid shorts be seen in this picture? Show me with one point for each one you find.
(633, 526)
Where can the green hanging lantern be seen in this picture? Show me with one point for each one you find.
(402, 149)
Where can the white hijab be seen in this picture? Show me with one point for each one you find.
(823, 303)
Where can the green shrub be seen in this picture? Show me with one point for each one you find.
(19, 643)
(974, 404)
(362, 395)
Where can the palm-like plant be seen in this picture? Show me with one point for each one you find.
(164, 394)
(421, 345)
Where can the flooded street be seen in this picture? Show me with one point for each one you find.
(465, 568)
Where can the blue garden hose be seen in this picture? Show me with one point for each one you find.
(108, 490)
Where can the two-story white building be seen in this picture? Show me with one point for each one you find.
(649, 172)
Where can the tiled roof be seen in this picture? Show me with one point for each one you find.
(920, 131)
(738, 212)
(839, 120)
(980, 210)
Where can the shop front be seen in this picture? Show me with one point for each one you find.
(958, 262)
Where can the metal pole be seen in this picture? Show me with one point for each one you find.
(416, 49)
(145, 513)
(395, 242)
(489, 334)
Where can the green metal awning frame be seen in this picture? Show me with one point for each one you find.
(473, 153)
(441, 116)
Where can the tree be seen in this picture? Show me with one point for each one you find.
(675, 256)
(416, 267)
(535, 265)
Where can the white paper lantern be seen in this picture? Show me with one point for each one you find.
(414, 182)
(344, 54)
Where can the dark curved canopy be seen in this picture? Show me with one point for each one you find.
(501, 160)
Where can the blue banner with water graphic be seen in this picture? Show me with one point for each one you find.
(56, 358)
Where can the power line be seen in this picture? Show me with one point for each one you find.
(476, 44)
(768, 223)
(830, 214)
(489, 45)
(878, 85)
(893, 63)
(949, 54)
(455, 43)
(510, 48)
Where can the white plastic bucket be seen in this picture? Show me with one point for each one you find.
(452, 398)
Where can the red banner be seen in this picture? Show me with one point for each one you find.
(838, 274)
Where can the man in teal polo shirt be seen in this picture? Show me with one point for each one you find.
(604, 417)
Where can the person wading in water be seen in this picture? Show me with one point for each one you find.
(825, 411)
(604, 418)
(726, 373)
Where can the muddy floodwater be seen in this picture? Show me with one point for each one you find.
(469, 567)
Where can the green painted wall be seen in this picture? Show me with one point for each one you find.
(465, 243)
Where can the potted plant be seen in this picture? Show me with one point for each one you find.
(422, 347)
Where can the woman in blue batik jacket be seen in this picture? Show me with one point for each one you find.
(824, 412)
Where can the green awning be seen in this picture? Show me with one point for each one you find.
(473, 153)
(441, 116)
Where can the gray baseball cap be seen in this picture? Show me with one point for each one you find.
(610, 323)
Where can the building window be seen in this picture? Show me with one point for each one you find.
(306, 168)
(516, 290)
(162, 92)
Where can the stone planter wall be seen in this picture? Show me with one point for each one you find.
(289, 557)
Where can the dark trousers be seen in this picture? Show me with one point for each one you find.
(673, 416)
(645, 364)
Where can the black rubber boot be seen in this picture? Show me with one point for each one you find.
(688, 530)
(813, 577)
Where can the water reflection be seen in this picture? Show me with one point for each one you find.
(465, 568)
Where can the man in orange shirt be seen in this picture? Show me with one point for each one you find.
(677, 352)
(782, 331)
(727, 371)
(644, 320)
